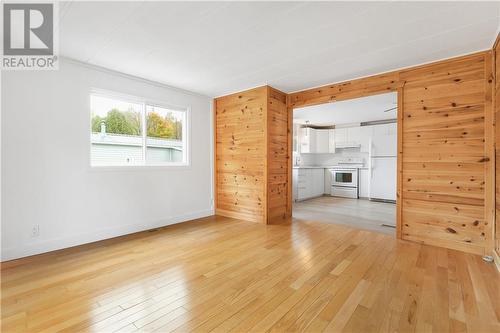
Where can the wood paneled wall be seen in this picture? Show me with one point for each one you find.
(251, 162)
(446, 161)
(373, 85)
(445, 148)
(278, 155)
(240, 146)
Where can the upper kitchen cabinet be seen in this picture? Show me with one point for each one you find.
(315, 141)
(323, 144)
(353, 135)
(307, 140)
(347, 137)
(340, 135)
(331, 140)
(365, 135)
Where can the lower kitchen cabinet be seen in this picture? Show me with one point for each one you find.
(364, 183)
(308, 183)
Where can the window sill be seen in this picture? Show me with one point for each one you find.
(127, 168)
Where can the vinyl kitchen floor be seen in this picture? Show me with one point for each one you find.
(356, 213)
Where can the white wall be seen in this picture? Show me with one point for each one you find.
(46, 177)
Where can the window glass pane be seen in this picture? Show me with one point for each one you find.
(165, 131)
(116, 132)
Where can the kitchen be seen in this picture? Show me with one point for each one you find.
(344, 162)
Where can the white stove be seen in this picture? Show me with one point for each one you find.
(344, 182)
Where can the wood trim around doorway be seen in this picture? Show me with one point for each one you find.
(370, 86)
(458, 88)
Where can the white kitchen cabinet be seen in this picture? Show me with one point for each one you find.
(340, 136)
(319, 182)
(322, 144)
(323, 141)
(353, 134)
(331, 140)
(315, 141)
(301, 184)
(347, 137)
(307, 140)
(364, 183)
(327, 182)
(309, 183)
(365, 134)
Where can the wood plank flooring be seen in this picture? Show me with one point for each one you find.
(356, 213)
(224, 275)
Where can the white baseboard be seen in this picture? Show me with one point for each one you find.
(97, 235)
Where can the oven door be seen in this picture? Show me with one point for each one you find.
(348, 178)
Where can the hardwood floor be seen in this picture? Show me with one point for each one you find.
(356, 213)
(220, 274)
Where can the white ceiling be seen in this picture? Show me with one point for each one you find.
(357, 110)
(215, 48)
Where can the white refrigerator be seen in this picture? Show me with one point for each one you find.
(383, 164)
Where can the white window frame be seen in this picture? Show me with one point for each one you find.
(186, 131)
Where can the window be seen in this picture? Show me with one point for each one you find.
(164, 128)
(133, 132)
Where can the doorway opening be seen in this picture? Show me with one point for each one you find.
(345, 163)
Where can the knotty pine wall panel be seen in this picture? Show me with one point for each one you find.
(444, 154)
(251, 172)
(240, 151)
(277, 152)
(372, 85)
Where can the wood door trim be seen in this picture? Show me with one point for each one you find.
(266, 155)
(399, 161)
(290, 158)
(214, 124)
(489, 146)
(496, 137)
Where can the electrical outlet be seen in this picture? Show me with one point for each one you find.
(35, 231)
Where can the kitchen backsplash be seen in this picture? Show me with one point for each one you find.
(341, 155)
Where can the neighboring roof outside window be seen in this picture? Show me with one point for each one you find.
(133, 140)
